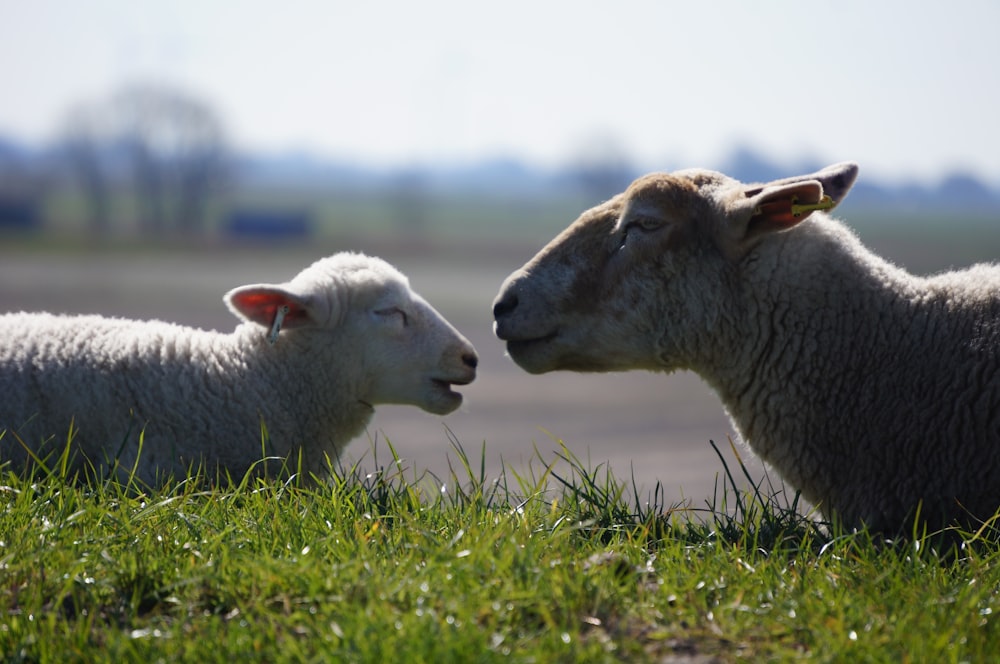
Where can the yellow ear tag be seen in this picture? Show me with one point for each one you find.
(824, 203)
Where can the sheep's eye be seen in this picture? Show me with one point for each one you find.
(642, 223)
(645, 223)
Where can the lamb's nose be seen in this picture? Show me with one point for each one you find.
(471, 360)
(504, 304)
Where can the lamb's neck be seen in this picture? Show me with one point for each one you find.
(312, 397)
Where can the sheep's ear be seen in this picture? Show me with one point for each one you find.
(836, 180)
(261, 303)
(781, 204)
(779, 208)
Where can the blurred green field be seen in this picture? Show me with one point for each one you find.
(347, 213)
(922, 241)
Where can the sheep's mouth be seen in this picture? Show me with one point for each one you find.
(515, 346)
(535, 354)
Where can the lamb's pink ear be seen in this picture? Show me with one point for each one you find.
(260, 304)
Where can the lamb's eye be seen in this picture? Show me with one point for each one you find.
(395, 311)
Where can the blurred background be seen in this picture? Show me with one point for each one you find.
(155, 154)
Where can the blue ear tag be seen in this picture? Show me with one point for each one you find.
(279, 317)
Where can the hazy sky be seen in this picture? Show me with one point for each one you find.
(907, 88)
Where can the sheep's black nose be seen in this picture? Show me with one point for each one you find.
(471, 360)
(505, 304)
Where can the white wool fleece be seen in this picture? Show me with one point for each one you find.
(201, 399)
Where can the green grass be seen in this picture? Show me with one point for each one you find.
(561, 563)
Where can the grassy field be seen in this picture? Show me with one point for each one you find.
(379, 568)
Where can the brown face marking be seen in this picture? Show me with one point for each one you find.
(670, 193)
(595, 297)
(589, 247)
(674, 207)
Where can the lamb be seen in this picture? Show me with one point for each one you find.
(874, 392)
(294, 382)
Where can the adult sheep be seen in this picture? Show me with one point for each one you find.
(873, 391)
(295, 381)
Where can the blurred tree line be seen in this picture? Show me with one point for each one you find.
(167, 147)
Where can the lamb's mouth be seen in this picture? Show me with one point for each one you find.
(443, 399)
(445, 385)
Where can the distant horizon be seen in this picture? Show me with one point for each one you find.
(910, 90)
(740, 151)
(509, 175)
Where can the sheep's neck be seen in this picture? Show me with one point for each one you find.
(817, 329)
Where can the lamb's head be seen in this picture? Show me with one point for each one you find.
(360, 312)
(639, 281)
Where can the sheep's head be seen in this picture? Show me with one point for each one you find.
(638, 281)
(361, 312)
